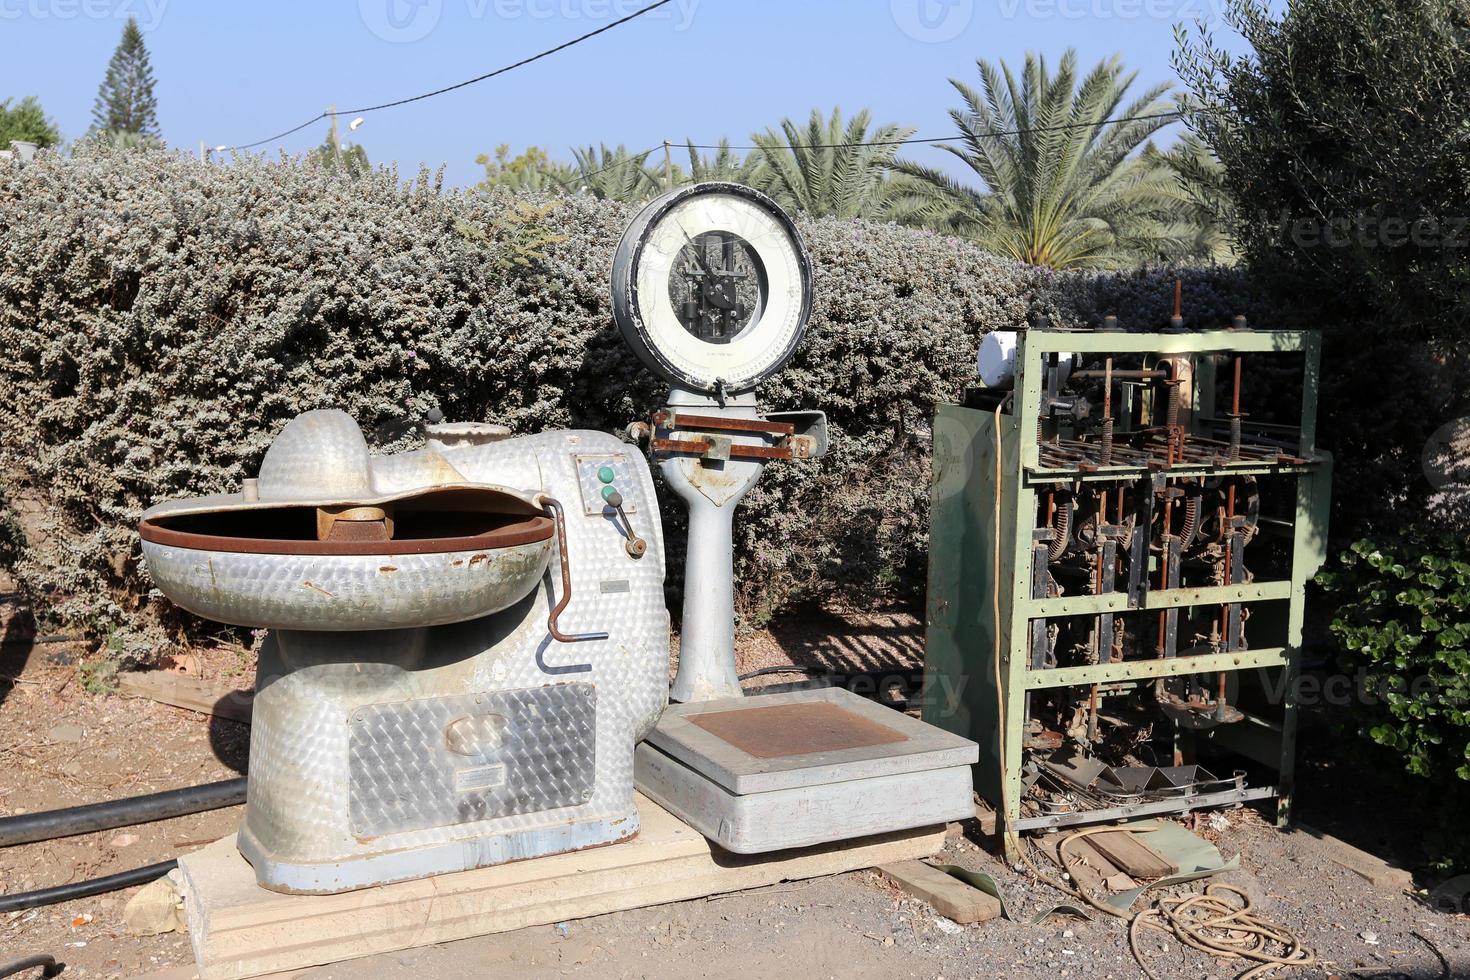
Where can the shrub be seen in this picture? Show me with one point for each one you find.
(161, 320)
(1402, 629)
(12, 538)
(1403, 617)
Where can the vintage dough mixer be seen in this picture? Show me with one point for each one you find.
(468, 641)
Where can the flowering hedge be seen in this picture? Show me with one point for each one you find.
(161, 319)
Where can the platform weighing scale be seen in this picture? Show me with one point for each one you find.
(468, 641)
(712, 289)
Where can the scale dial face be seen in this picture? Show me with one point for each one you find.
(712, 287)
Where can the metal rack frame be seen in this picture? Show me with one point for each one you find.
(963, 594)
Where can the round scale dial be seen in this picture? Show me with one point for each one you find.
(712, 287)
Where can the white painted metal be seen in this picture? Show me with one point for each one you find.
(924, 746)
(648, 256)
(816, 814)
(996, 362)
(711, 489)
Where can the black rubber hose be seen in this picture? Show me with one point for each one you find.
(82, 889)
(27, 828)
(813, 671)
(49, 966)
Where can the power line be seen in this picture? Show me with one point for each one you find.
(1172, 114)
(582, 178)
(459, 85)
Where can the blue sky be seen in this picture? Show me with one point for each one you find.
(235, 72)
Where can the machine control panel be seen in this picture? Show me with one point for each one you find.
(600, 476)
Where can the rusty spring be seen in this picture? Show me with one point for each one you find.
(1061, 530)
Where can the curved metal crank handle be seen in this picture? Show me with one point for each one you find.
(553, 506)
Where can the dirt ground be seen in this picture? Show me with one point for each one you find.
(61, 744)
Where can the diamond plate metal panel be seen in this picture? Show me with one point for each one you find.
(437, 762)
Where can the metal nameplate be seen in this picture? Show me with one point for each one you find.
(444, 761)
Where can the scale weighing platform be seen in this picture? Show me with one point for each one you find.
(775, 771)
(712, 289)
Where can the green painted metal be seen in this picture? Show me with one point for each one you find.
(1214, 595)
(979, 606)
(1132, 670)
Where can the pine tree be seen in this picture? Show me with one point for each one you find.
(125, 100)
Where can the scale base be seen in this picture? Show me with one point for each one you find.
(776, 771)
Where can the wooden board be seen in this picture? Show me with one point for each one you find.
(1370, 867)
(1130, 855)
(949, 896)
(1089, 869)
(239, 929)
(222, 701)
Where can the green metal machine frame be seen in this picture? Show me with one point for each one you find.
(981, 586)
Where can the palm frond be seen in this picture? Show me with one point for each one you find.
(1065, 177)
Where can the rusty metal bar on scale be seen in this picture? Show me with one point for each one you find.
(699, 447)
(680, 420)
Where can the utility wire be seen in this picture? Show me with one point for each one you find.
(582, 178)
(1173, 114)
(459, 85)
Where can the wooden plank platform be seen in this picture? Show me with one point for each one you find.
(239, 929)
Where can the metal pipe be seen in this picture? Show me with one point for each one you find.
(554, 506)
(1235, 416)
(1122, 374)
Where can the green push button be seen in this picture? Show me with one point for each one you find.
(606, 474)
(608, 493)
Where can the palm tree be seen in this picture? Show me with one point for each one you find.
(726, 165)
(1063, 185)
(1200, 196)
(531, 172)
(615, 174)
(830, 169)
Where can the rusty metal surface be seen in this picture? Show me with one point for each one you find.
(778, 731)
(554, 506)
(700, 447)
(683, 420)
(515, 532)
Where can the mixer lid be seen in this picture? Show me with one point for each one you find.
(321, 460)
(484, 496)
